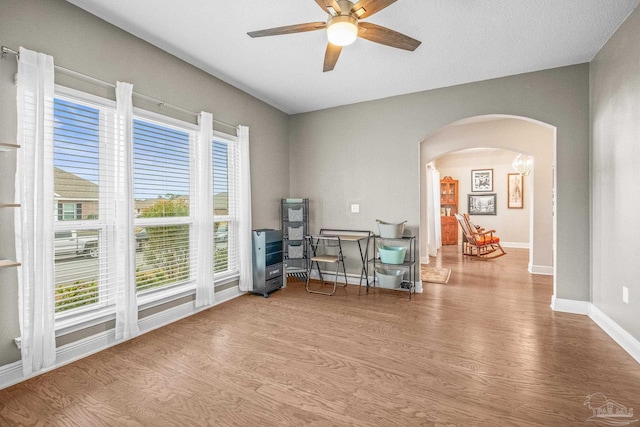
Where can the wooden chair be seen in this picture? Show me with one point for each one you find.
(479, 243)
(325, 249)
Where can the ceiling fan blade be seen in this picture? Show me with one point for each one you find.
(289, 29)
(365, 8)
(325, 4)
(331, 57)
(383, 35)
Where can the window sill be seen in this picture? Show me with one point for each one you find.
(82, 321)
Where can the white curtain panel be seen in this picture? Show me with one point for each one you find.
(244, 226)
(202, 224)
(34, 223)
(434, 232)
(125, 265)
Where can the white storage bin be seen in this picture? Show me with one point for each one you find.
(296, 233)
(389, 230)
(389, 278)
(295, 251)
(296, 214)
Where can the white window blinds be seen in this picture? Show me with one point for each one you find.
(164, 197)
(81, 278)
(225, 205)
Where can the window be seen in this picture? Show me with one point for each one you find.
(163, 191)
(78, 276)
(69, 211)
(226, 158)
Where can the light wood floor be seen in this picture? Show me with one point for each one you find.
(483, 350)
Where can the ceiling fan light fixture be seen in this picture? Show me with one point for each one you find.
(342, 30)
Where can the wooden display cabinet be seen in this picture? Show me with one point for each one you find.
(448, 208)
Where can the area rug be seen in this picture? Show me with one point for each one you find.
(434, 275)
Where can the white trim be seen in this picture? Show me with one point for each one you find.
(87, 99)
(569, 305)
(12, 373)
(225, 137)
(162, 120)
(623, 338)
(518, 245)
(515, 245)
(418, 287)
(547, 270)
(615, 331)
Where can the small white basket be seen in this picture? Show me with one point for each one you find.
(389, 278)
(296, 214)
(296, 233)
(389, 230)
(296, 251)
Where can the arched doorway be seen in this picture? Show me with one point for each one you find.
(517, 135)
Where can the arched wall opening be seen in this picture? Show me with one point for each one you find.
(501, 132)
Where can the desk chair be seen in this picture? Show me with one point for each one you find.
(325, 249)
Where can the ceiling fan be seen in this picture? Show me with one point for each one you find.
(343, 27)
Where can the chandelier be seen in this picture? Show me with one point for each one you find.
(523, 164)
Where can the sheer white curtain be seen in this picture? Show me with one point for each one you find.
(244, 223)
(125, 265)
(434, 232)
(202, 224)
(34, 223)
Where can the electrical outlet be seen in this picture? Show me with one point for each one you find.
(625, 295)
(355, 208)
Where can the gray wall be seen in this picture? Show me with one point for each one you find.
(84, 43)
(369, 153)
(615, 112)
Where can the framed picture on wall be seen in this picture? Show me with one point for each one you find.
(482, 204)
(482, 180)
(515, 191)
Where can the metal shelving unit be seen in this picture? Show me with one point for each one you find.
(407, 285)
(294, 215)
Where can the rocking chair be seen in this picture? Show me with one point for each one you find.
(479, 242)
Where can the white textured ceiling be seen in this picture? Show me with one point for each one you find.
(462, 41)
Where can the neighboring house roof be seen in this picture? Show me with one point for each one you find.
(69, 186)
(145, 203)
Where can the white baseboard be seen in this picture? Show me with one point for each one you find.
(615, 331)
(517, 245)
(12, 373)
(570, 306)
(540, 269)
(624, 339)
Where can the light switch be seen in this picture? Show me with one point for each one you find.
(625, 294)
(355, 208)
